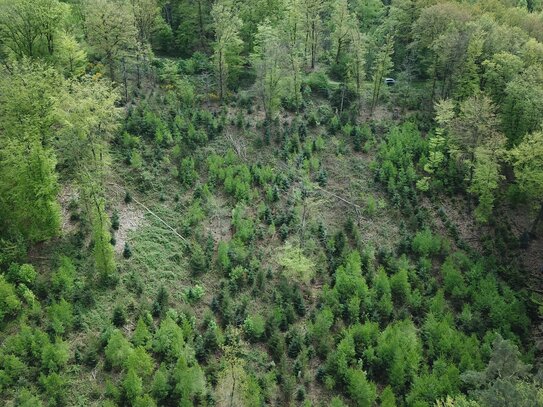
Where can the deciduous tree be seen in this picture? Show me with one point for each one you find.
(228, 43)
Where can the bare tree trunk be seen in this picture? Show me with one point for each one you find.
(201, 24)
(125, 80)
(533, 230)
(111, 69)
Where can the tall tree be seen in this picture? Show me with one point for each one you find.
(110, 30)
(521, 110)
(291, 32)
(383, 65)
(477, 145)
(227, 45)
(31, 27)
(28, 184)
(357, 61)
(341, 23)
(89, 118)
(146, 18)
(146, 13)
(268, 60)
(486, 179)
(527, 159)
(498, 72)
(311, 10)
(467, 81)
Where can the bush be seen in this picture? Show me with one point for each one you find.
(127, 252)
(119, 316)
(62, 280)
(254, 327)
(61, 317)
(169, 340)
(161, 302)
(319, 84)
(198, 261)
(24, 273)
(194, 294)
(425, 243)
(118, 349)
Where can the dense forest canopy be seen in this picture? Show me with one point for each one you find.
(271, 203)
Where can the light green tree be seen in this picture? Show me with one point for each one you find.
(468, 77)
(527, 159)
(228, 44)
(70, 56)
(357, 60)
(485, 181)
(232, 385)
(110, 30)
(31, 27)
(342, 23)
(312, 25)
(399, 351)
(291, 34)
(28, 186)
(268, 58)
(133, 385)
(9, 303)
(382, 66)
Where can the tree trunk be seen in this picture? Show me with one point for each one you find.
(125, 81)
(533, 230)
(111, 69)
(338, 51)
(201, 24)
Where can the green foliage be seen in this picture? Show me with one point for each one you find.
(161, 302)
(320, 331)
(397, 157)
(141, 335)
(118, 349)
(61, 317)
(503, 381)
(360, 390)
(188, 379)
(425, 243)
(24, 273)
(387, 397)
(9, 303)
(521, 114)
(160, 386)
(382, 292)
(12, 368)
(399, 352)
(296, 265)
(119, 316)
(194, 294)
(103, 251)
(198, 260)
(54, 386)
(382, 308)
(127, 252)
(400, 287)
(254, 327)
(223, 259)
(29, 187)
(63, 278)
(168, 340)
(133, 385)
(55, 356)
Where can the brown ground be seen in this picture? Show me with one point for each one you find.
(130, 218)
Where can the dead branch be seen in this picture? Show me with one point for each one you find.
(340, 198)
(160, 219)
(238, 145)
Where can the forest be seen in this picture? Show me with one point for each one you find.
(248, 203)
